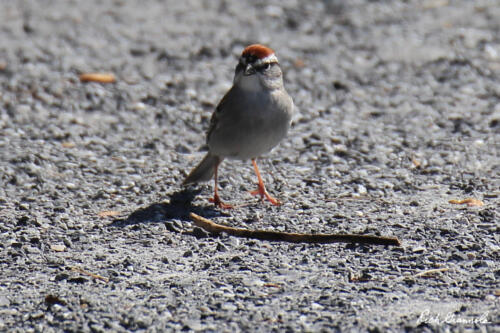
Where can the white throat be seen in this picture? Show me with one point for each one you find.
(250, 82)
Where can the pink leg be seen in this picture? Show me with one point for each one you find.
(216, 199)
(261, 190)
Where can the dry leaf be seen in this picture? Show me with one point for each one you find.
(107, 213)
(416, 163)
(471, 202)
(98, 77)
(299, 63)
(497, 292)
(271, 285)
(58, 247)
(68, 144)
(432, 4)
(53, 299)
(447, 25)
(3, 65)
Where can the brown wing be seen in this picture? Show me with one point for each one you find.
(215, 116)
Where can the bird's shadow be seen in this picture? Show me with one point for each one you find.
(177, 208)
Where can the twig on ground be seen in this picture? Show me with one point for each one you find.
(213, 227)
(84, 272)
(431, 272)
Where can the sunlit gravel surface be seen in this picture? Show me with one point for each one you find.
(398, 113)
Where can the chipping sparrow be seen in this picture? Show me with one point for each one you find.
(252, 118)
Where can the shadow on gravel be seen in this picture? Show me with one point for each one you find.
(178, 207)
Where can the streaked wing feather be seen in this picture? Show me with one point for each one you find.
(215, 116)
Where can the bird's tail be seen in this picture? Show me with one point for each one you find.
(203, 171)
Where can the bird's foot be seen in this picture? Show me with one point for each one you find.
(218, 203)
(263, 194)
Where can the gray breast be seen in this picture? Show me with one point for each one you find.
(251, 127)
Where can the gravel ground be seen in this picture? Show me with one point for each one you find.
(399, 112)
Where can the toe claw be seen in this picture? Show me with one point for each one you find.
(256, 192)
(218, 203)
(263, 194)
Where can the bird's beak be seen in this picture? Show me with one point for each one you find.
(249, 70)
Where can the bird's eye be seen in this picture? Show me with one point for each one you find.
(264, 67)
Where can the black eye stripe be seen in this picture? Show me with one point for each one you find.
(264, 66)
